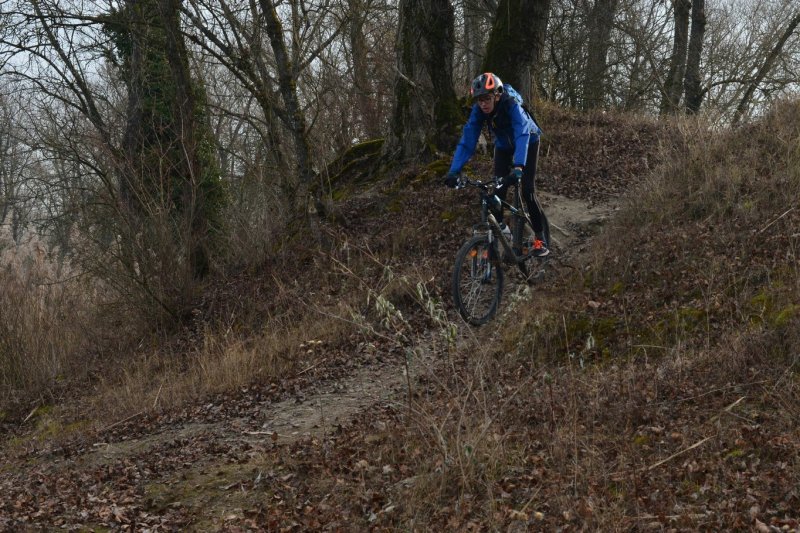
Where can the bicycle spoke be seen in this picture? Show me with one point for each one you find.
(477, 282)
(474, 288)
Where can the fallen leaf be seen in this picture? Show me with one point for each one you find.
(517, 515)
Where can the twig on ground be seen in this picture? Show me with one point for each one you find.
(785, 372)
(272, 434)
(33, 412)
(762, 230)
(559, 228)
(654, 346)
(312, 367)
(713, 391)
(158, 394)
(730, 408)
(678, 453)
(115, 424)
(734, 404)
(692, 516)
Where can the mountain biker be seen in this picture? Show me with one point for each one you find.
(516, 150)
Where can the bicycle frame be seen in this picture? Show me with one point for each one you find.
(490, 201)
(478, 276)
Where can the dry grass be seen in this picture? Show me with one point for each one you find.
(260, 334)
(612, 447)
(64, 345)
(655, 387)
(224, 362)
(632, 412)
(45, 323)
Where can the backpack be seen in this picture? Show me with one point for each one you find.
(510, 92)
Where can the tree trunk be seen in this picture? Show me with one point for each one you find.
(426, 114)
(362, 73)
(473, 37)
(677, 64)
(16, 225)
(517, 41)
(601, 19)
(201, 189)
(693, 95)
(297, 195)
(169, 183)
(7, 162)
(744, 103)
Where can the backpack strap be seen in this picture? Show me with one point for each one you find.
(518, 98)
(529, 111)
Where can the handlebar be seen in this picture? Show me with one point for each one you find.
(498, 182)
(464, 181)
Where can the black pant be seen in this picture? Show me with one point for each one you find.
(503, 161)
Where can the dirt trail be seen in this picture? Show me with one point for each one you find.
(318, 411)
(186, 468)
(569, 218)
(335, 402)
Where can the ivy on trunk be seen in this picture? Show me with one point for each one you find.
(170, 187)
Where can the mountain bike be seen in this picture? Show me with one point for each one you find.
(478, 273)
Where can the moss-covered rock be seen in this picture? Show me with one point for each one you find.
(356, 166)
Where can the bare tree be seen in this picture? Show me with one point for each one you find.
(477, 20)
(293, 112)
(7, 163)
(638, 71)
(767, 65)
(126, 149)
(601, 19)
(517, 41)
(677, 63)
(267, 57)
(606, 53)
(45, 54)
(425, 113)
(13, 157)
(562, 68)
(693, 95)
(169, 154)
(363, 81)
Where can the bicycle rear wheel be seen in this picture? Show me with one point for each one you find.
(477, 280)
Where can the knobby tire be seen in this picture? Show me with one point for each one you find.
(477, 280)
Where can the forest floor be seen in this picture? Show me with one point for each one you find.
(413, 421)
(203, 468)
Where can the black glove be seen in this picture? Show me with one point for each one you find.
(514, 177)
(451, 180)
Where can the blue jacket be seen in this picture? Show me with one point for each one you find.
(512, 127)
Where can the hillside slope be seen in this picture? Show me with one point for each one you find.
(650, 383)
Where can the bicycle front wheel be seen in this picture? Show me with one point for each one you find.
(477, 280)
